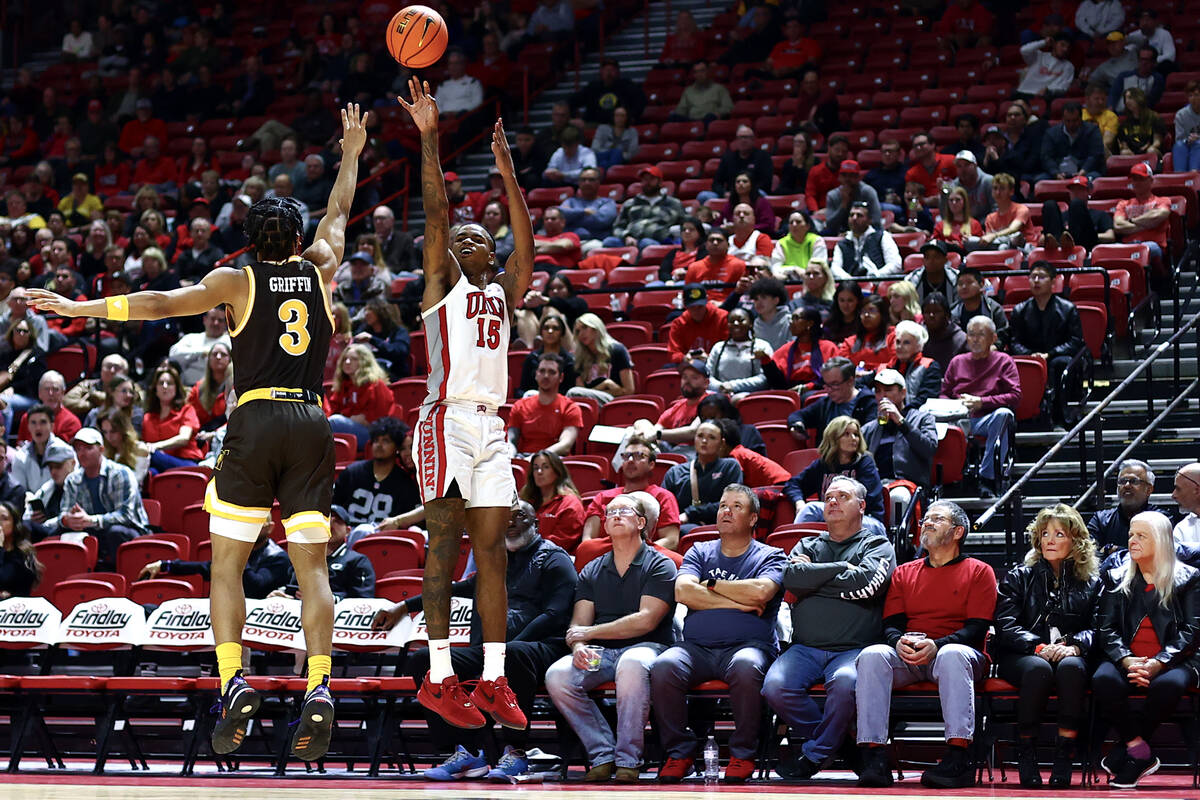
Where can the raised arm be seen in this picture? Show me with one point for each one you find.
(330, 243)
(439, 266)
(518, 270)
(221, 286)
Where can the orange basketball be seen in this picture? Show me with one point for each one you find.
(417, 37)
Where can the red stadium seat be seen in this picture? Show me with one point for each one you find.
(657, 152)
(796, 460)
(587, 475)
(649, 358)
(624, 411)
(703, 149)
(1118, 188)
(992, 260)
(1094, 317)
(398, 588)
(768, 406)
(631, 333)
(159, 590)
(387, 553)
(1032, 375)
(1120, 165)
(778, 439)
(137, 553)
(345, 447)
(681, 131)
(59, 560)
(408, 392)
(69, 593)
(176, 489)
(663, 383)
(950, 457)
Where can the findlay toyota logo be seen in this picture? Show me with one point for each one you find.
(98, 616)
(274, 620)
(184, 623)
(427, 453)
(353, 624)
(19, 617)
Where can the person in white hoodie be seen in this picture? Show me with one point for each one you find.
(1150, 33)
(1049, 73)
(1097, 18)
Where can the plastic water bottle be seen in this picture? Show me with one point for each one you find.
(712, 762)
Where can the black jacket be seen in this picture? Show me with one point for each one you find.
(922, 379)
(1031, 601)
(1176, 625)
(266, 570)
(1057, 331)
(987, 308)
(818, 414)
(1110, 528)
(912, 449)
(1087, 149)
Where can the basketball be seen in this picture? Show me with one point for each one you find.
(417, 37)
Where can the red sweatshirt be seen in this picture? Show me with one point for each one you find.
(685, 334)
(374, 400)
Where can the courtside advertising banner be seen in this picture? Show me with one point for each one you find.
(462, 609)
(107, 621)
(182, 623)
(29, 620)
(352, 620)
(273, 624)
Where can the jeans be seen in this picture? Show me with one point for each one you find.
(1186, 156)
(683, 666)
(1037, 678)
(342, 424)
(161, 461)
(617, 241)
(629, 667)
(1111, 690)
(108, 539)
(786, 689)
(815, 512)
(954, 669)
(994, 427)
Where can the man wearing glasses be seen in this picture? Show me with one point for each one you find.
(637, 475)
(1187, 495)
(843, 399)
(935, 618)
(1110, 526)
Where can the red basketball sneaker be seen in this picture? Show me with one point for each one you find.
(496, 698)
(448, 700)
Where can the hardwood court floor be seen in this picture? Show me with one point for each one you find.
(129, 787)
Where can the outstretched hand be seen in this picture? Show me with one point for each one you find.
(500, 150)
(43, 300)
(423, 107)
(354, 132)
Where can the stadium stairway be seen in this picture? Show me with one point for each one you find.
(1175, 443)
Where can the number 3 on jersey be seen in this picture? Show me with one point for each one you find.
(294, 314)
(489, 333)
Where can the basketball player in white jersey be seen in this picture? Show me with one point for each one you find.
(462, 458)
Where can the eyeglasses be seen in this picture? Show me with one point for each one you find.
(623, 511)
(1131, 481)
(635, 456)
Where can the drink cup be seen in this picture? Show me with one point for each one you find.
(594, 656)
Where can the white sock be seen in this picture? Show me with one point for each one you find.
(493, 661)
(439, 660)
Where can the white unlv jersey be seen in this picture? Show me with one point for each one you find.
(466, 336)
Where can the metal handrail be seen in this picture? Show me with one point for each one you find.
(1083, 423)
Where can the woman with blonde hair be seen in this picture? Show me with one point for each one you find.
(121, 394)
(342, 337)
(602, 364)
(957, 224)
(1045, 619)
(550, 490)
(903, 303)
(843, 453)
(121, 442)
(360, 393)
(1146, 632)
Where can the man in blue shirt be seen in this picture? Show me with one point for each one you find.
(732, 588)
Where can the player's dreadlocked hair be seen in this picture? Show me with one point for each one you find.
(272, 226)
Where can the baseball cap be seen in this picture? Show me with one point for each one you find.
(451, 177)
(244, 199)
(95, 105)
(889, 377)
(363, 255)
(655, 171)
(79, 176)
(1078, 180)
(200, 201)
(694, 295)
(966, 155)
(695, 364)
(849, 166)
(144, 103)
(991, 129)
(340, 513)
(88, 436)
(1115, 36)
(934, 244)
(1141, 170)
(59, 451)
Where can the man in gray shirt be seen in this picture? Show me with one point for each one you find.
(703, 99)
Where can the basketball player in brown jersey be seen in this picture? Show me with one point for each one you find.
(278, 445)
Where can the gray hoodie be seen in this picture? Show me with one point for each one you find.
(841, 593)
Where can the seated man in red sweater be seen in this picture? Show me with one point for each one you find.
(546, 420)
(155, 169)
(637, 470)
(677, 424)
(51, 389)
(701, 325)
(718, 265)
(986, 382)
(556, 248)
